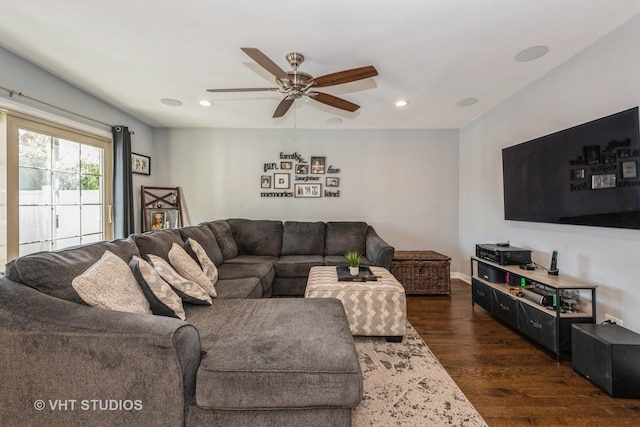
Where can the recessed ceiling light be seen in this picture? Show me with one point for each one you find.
(531, 53)
(334, 120)
(466, 102)
(206, 103)
(171, 102)
(401, 103)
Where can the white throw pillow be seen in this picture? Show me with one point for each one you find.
(188, 268)
(207, 265)
(162, 299)
(110, 284)
(188, 290)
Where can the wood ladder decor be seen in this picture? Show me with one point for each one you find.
(161, 208)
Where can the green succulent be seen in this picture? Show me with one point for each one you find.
(353, 258)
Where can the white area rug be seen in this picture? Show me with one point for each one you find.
(405, 385)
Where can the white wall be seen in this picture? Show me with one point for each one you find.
(22, 76)
(601, 80)
(403, 182)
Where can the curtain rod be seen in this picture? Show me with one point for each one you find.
(20, 94)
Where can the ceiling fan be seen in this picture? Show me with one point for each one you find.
(296, 84)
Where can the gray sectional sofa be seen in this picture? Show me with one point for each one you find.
(244, 360)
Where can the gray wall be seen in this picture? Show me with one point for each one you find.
(601, 80)
(404, 182)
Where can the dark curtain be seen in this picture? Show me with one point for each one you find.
(123, 224)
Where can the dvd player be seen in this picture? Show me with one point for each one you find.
(503, 254)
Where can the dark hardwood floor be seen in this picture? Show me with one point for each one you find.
(510, 380)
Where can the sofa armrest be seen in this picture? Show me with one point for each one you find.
(378, 252)
(68, 364)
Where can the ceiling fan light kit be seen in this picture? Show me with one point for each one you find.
(295, 84)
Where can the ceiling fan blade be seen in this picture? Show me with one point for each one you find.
(265, 62)
(246, 89)
(345, 76)
(283, 107)
(333, 101)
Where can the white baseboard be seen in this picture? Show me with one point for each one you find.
(465, 278)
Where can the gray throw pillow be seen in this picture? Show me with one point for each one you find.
(188, 290)
(110, 284)
(162, 299)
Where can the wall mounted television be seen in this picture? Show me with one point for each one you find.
(584, 175)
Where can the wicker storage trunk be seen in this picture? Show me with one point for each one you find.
(422, 272)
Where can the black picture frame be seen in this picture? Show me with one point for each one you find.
(286, 165)
(592, 154)
(140, 164)
(265, 181)
(332, 182)
(302, 169)
(318, 165)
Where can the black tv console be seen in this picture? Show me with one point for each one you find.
(572, 301)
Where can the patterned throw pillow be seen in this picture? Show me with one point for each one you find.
(109, 284)
(206, 264)
(189, 269)
(188, 290)
(162, 299)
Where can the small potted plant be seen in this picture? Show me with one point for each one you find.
(353, 259)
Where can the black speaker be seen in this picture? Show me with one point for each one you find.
(491, 274)
(609, 356)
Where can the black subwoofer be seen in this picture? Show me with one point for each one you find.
(609, 356)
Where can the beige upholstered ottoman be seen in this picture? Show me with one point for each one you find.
(376, 308)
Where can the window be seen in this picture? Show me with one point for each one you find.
(61, 187)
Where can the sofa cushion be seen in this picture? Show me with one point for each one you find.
(188, 290)
(188, 268)
(296, 265)
(253, 259)
(203, 235)
(35, 270)
(162, 299)
(239, 288)
(303, 238)
(342, 237)
(198, 253)
(224, 237)
(257, 237)
(264, 272)
(110, 284)
(157, 242)
(257, 357)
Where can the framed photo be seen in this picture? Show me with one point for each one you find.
(158, 221)
(577, 174)
(265, 181)
(140, 164)
(629, 169)
(317, 165)
(608, 158)
(603, 181)
(308, 190)
(333, 182)
(592, 154)
(302, 169)
(286, 165)
(281, 180)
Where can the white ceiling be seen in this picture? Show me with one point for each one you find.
(434, 53)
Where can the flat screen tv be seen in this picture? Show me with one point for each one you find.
(584, 175)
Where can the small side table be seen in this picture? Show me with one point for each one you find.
(422, 272)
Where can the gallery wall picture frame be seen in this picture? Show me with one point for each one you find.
(629, 169)
(307, 190)
(302, 169)
(603, 181)
(140, 164)
(577, 174)
(332, 182)
(265, 181)
(592, 154)
(281, 180)
(286, 165)
(317, 165)
(157, 220)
